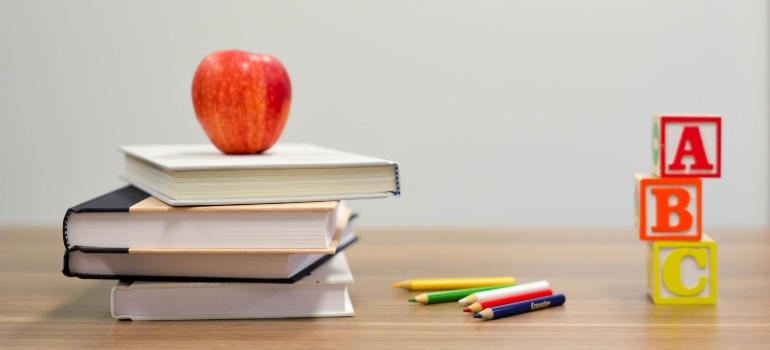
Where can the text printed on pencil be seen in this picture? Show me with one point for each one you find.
(544, 304)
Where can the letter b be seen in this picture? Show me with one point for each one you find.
(668, 208)
(663, 195)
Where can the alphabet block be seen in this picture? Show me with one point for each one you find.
(686, 146)
(668, 209)
(681, 272)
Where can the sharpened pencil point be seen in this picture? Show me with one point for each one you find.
(467, 309)
(412, 300)
(462, 301)
(402, 284)
(477, 316)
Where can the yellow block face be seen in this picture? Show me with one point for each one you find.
(682, 272)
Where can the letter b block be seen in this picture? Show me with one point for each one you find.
(681, 272)
(686, 146)
(668, 209)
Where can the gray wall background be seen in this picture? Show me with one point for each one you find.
(501, 113)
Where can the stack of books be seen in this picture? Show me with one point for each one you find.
(203, 235)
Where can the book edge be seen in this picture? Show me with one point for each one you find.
(347, 312)
(258, 200)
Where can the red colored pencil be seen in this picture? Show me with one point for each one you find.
(478, 306)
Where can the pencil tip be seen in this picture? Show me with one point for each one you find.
(412, 300)
(402, 284)
(477, 315)
(467, 309)
(461, 301)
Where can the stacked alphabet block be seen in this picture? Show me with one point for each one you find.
(681, 260)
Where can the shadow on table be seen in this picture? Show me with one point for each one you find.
(89, 310)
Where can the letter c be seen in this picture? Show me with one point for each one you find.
(672, 271)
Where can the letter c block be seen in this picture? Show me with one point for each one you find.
(668, 208)
(682, 272)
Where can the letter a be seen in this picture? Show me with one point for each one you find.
(663, 222)
(691, 135)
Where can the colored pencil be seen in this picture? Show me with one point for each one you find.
(453, 283)
(504, 292)
(478, 306)
(521, 307)
(451, 295)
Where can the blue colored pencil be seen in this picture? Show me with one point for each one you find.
(521, 307)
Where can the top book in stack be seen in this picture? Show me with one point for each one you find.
(194, 175)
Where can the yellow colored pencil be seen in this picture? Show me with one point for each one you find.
(453, 283)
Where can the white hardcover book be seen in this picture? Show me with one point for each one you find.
(322, 294)
(185, 175)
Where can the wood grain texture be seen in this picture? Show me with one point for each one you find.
(602, 273)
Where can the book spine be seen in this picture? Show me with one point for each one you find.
(398, 182)
(66, 269)
(120, 200)
(64, 228)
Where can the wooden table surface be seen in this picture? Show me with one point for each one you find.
(602, 273)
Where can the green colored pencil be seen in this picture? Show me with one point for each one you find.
(451, 295)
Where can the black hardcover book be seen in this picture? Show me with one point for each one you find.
(129, 235)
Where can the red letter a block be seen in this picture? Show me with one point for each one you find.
(668, 209)
(686, 146)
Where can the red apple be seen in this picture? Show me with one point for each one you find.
(241, 100)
